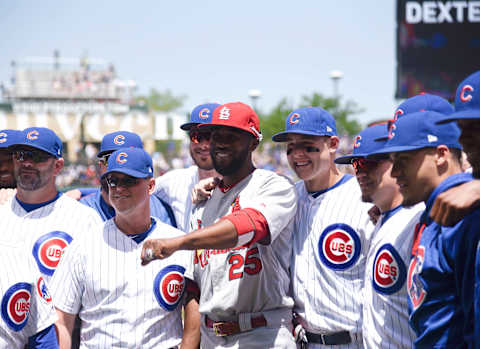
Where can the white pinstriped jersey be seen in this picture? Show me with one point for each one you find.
(175, 188)
(330, 243)
(46, 231)
(385, 309)
(26, 304)
(248, 279)
(121, 303)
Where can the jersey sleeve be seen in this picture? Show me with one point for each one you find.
(67, 283)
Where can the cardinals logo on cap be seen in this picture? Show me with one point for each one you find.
(122, 158)
(224, 113)
(168, 286)
(119, 140)
(466, 97)
(339, 246)
(389, 271)
(32, 135)
(49, 249)
(16, 305)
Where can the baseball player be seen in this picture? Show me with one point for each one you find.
(331, 235)
(385, 306)
(242, 241)
(175, 187)
(7, 179)
(98, 199)
(39, 216)
(121, 303)
(427, 161)
(467, 115)
(27, 313)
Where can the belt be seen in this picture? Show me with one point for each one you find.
(342, 337)
(228, 328)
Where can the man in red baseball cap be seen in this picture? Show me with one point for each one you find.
(242, 242)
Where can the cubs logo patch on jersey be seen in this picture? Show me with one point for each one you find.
(42, 290)
(48, 250)
(339, 246)
(16, 305)
(389, 271)
(168, 286)
(416, 289)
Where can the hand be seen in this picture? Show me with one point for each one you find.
(203, 189)
(453, 205)
(6, 194)
(74, 194)
(159, 249)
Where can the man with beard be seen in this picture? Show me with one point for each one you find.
(39, 217)
(385, 306)
(175, 187)
(462, 200)
(331, 235)
(242, 242)
(427, 161)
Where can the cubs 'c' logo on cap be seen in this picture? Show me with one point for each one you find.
(119, 139)
(389, 271)
(224, 113)
(357, 142)
(3, 137)
(466, 97)
(204, 113)
(122, 158)
(399, 112)
(416, 290)
(16, 305)
(48, 250)
(339, 246)
(168, 286)
(294, 119)
(42, 290)
(32, 135)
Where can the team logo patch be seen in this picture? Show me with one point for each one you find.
(339, 246)
(32, 135)
(122, 158)
(465, 98)
(49, 249)
(16, 305)
(168, 286)
(224, 113)
(294, 119)
(357, 142)
(119, 139)
(204, 113)
(416, 290)
(389, 271)
(42, 290)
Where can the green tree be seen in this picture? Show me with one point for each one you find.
(161, 101)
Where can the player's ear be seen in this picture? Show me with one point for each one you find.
(58, 166)
(254, 144)
(151, 185)
(333, 143)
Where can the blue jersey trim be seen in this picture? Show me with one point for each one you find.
(30, 207)
(45, 339)
(138, 238)
(388, 214)
(342, 180)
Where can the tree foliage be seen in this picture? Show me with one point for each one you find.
(161, 100)
(274, 121)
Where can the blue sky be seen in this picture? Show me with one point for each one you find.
(219, 50)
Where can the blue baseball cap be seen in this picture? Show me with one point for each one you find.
(9, 138)
(119, 139)
(467, 99)
(365, 144)
(420, 130)
(134, 162)
(313, 121)
(40, 138)
(423, 102)
(201, 114)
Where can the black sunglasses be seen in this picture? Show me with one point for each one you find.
(104, 159)
(198, 137)
(126, 181)
(36, 156)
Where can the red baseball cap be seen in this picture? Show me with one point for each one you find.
(237, 115)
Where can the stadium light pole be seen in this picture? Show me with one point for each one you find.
(254, 96)
(336, 76)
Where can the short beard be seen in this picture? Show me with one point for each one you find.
(34, 182)
(366, 198)
(236, 163)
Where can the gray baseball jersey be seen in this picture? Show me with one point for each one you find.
(121, 303)
(46, 232)
(175, 188)
(26, 304)
(385, 308)
(330, 243)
